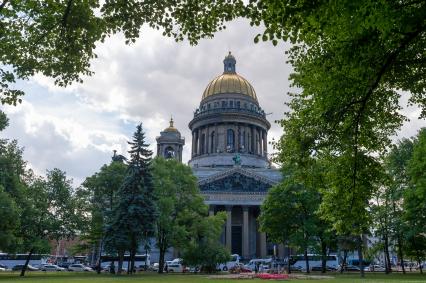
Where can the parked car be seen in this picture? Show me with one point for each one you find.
(295, 268)
(239, 268)
(260, 263)
(351, 268)
(319, 268)
(376, 268)
(155, 266)
(235, 258)
(51, 267)
(177, 267)
(29, 267)
(2, 269)
(64, 264)
(79, 267)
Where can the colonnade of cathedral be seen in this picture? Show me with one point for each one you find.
(241, 232)
(232, 137)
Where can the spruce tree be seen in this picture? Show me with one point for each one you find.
(136, 211)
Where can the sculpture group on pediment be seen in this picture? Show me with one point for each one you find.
(236, 183)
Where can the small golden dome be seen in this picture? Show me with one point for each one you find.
(229, 81)
(171, 128)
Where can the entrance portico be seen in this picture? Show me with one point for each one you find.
(240, 233)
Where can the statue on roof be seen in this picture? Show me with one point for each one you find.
(237, 159)
(118, 157)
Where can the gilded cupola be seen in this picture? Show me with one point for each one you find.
(229, 82)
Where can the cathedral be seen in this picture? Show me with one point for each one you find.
(229, 158)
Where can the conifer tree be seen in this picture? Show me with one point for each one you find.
(136, 211)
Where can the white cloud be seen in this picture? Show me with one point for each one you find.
(77, 128)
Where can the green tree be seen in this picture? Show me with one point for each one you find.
(102, 189)
(179, 203)
(9, 224)
(62, 205)
(58, 38)
(36, 219)
(204, 248)
(299, 226)
(396, 163)
(135, 214)
(415, 199)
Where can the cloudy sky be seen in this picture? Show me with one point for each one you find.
(77, 128)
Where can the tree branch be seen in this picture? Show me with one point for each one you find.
(3, 4)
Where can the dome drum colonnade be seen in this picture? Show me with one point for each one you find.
(229, 120)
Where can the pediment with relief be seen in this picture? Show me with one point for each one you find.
(236, 180)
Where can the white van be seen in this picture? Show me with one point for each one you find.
(260, 262)
(235, 258)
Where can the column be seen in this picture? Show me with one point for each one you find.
(253, 141)
(263, 245)
(193, 143)
(246, 250)
(211, 210)
(237, 138)
(207, 151)
(229, 227)
(216, 138)
(265, 144)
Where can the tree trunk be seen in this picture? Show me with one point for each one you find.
(400, 253)
(343, 264)
(128, 262)
(99, 262)
(132, 257)
(360, 257)
(419, 261)
(161, 260)
(24, 268)
(324, 257)
(120, 261)
(306, 260)
(289, 259)
(112, 267)
(388, 266)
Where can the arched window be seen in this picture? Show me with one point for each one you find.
(169, 152)
(212, 143)
(230, 140)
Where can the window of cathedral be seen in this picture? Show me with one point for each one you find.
(238, 104)
(223, 104)
(208, 106)
(231, 104)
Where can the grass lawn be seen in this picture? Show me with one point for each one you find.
(74, 277)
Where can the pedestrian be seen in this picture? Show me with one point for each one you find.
(166, 268)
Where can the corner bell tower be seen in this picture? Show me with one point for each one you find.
(170, 143)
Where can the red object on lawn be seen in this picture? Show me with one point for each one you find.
(272, 276)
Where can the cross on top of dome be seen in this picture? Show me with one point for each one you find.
(229, 64)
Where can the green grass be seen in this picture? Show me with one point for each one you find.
(70, 277)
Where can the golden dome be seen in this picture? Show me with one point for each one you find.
(171, 128)
(229, 81)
